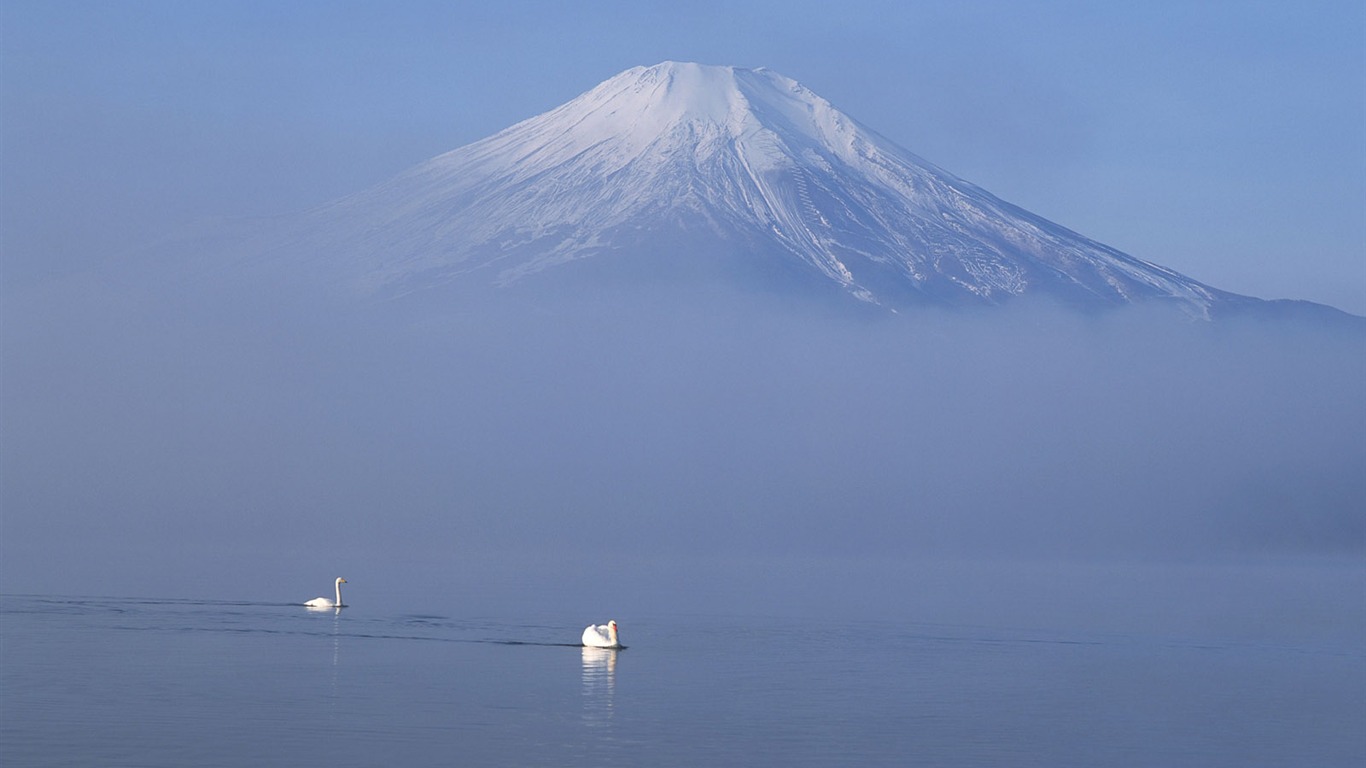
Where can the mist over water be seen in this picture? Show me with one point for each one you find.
(653, 448)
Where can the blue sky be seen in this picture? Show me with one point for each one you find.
(1226, 140)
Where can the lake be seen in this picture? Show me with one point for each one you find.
(1279, 679)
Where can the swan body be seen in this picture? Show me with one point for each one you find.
(322, 602)
(601, 635)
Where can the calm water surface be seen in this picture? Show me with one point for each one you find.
(133, 682)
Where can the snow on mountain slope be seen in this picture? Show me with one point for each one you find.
(715, 160)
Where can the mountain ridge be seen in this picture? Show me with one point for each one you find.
(727, 164)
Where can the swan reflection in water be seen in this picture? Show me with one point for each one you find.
(334, 697)
(599, 684)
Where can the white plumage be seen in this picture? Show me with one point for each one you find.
(601, 635)
(322, 602)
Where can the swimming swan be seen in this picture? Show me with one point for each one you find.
(322, 602)
(601, 635)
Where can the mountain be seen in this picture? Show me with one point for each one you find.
(686, 171)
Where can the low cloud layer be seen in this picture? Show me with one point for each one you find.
(152, 444)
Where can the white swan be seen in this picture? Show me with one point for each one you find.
(601, 635)
(322, 602)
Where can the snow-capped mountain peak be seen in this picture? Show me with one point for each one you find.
(737, 169)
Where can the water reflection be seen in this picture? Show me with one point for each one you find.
(336, 640)
(336, 662)
(599, 684)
